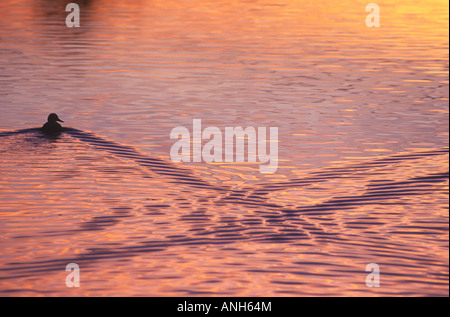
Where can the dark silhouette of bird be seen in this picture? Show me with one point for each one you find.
(52, 126)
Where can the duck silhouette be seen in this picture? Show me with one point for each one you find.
(52, 126)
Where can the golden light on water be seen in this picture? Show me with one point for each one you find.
(363, 148)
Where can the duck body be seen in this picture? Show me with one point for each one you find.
(52, 126)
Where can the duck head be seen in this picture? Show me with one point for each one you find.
(53, 117)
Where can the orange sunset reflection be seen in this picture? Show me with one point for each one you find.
(362, 175)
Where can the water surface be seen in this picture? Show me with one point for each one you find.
(363, 140)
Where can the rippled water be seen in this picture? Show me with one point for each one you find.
(363, 148)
